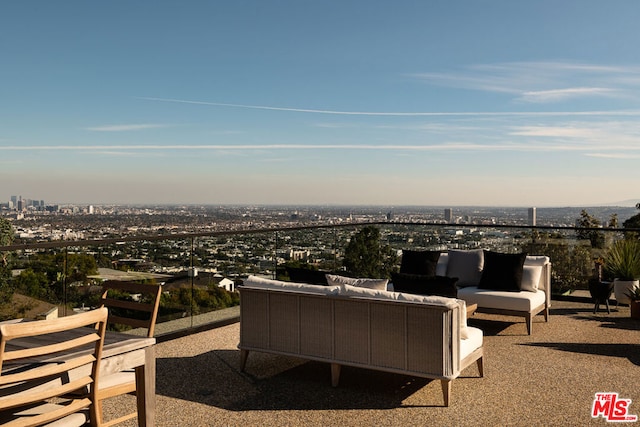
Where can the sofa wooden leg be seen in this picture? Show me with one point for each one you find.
(446, 391)
(335, 374)
(529, 323)
(243, 359)
(480, 363)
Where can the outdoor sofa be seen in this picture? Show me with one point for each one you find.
(499, 283)
(350, 324)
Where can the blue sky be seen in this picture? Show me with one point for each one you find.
(508, 103)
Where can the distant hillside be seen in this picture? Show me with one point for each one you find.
(629, 203)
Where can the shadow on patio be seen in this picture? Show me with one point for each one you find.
(549, 377)
(283, 383)
(629, 351)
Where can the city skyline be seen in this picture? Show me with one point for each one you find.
(12, 201)
(300, 103)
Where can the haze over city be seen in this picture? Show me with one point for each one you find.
(494, 103)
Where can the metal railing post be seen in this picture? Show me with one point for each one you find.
(192, 274)
(275, 257)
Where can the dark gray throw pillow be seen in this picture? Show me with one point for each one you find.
(466, 265)
(502, 272)
(425, 285)
(419, 262)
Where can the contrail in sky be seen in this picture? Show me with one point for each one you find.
(405, 114)
(440, 147)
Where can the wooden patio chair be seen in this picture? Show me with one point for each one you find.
(35, 371)
(135, 305)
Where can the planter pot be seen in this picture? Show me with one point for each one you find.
(635, 309)
(621, 288)
(600, 293)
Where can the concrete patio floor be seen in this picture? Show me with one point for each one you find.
(546, 379)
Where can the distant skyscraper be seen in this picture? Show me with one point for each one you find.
(448, 215)
(532, 216)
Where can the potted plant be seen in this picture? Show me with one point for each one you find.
(634, 297)
(622, 262)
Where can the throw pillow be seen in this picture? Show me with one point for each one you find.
(502, 272)
(441, 267)
(531, 277)
(306, 275)
(466, 265)
(419, 262)
(425, 285)
(377, 284)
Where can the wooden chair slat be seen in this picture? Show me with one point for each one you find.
(129, 305)
(50, 348)
(75, 341)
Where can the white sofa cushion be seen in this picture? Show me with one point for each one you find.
(472, 342)
(378, 284)
(503, 300)
(262, 283)
(427, 299)
(356, 291)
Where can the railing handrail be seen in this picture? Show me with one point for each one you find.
(177, 236)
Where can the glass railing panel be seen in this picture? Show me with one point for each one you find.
(217, 265)
(313, 249)
(35, 283)
(200, 271)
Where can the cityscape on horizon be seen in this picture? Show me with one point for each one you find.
(19, 203)
(35, 220)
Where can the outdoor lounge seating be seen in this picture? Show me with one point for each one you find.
(354, 326)
(532, 297)
(507, 284)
